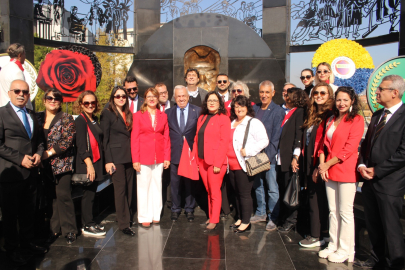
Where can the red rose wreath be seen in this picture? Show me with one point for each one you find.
(71, 69)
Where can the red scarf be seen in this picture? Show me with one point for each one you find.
(288, 115)
(18, 63)
(93, 143)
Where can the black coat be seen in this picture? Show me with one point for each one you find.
(15, 144)
(291, 137)
(82, 151)
(176, 137)
(116, 138)
(387, 154)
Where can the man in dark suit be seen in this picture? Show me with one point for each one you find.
(135, 101)
(381, 164)
(271, 116)
(196, 94)
(182, 120)
(21, 148)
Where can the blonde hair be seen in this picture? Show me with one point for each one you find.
(331, 76)
(155, 92)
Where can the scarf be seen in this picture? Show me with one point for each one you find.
(93, 142)
(288, 115)
(18, 63)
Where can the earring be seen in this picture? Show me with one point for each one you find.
(350, 109)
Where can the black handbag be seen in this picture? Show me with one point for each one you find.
(291, 196)
(81, 178)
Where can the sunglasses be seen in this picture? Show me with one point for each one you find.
(305, 77)
(323, 71)
(321, 93)
(87, 104)
(132, 89)
(222, 82)
(237, 90)
(120, 96)
(18, 91)
(49, 98)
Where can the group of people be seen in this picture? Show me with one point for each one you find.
(315, 134)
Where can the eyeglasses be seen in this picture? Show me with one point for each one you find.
(321, 93)
(151, 97)
(222, 82)
(163, 93)
(87, 104)
(129, 90)
(305, 77)
(237, 90)
(212, 101)
(323, 71)
(120, 96)
(56, 99)
(382, 89)
(18, 91)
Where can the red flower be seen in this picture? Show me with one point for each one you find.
(70, 72)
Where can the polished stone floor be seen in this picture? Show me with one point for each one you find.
(181, 245)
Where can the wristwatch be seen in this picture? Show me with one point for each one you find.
(49, 153)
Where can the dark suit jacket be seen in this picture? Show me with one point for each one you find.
(141, 100)
(291, 136)
(176, 136)
(81, 147)
(387, 154)
(272, 119)
(15, 144)
(116, 138)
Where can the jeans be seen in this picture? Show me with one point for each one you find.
(269, 177)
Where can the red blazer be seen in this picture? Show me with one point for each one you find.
(216, 139)
(146, 143)
(344, 146)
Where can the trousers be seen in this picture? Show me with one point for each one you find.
(123, 180)
(242, 184)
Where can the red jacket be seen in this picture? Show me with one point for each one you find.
(344, 146)
(216, 139)
(148, 144)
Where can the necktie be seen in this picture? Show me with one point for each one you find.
(223, 98)
(26, 123)
(163, 107)
(182, 122)
(381, 125)
(132, 106)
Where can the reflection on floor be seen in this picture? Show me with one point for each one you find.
(181, 245)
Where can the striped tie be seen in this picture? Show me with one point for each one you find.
(381, 125)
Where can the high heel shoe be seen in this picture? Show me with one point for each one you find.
(211, 230)
(242, 231)
(233, 226)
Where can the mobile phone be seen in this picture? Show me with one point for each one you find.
(113, 170)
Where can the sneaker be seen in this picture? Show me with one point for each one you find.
(271, 226)
(256, 219)
(324, 253)
(99, 227)
(339, 257)
(92, 231)
(310, 242)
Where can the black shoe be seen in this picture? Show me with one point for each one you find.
(128, 231)
(99, 227)
(242, 231)
(233, 226)
(52, 238)
(175, 215)
(367, 264)
(190, 216)
(211, 230)
(70, 238)
(35, 249)
(286, 227)
(17, 258)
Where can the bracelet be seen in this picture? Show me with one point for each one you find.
(295, 157)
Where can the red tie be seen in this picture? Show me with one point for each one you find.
(132, 106)
(163, 106)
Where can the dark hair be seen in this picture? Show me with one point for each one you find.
(191, 70)
(204, 107)
(315, 112)
(113, 108)
(129, 79)
(242, 101)
(298, 97)
(222, 74)
(309, 70)
(56, 94)
(355, 106)
(76, 106)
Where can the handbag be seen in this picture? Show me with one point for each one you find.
(291, 196)
(258, 163)
(81, 178)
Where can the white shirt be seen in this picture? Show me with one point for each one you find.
(226, 96)
(8, 74)
(167, 106)
(392, 110)
(256, 141)
(194, 94)
(135, 101)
